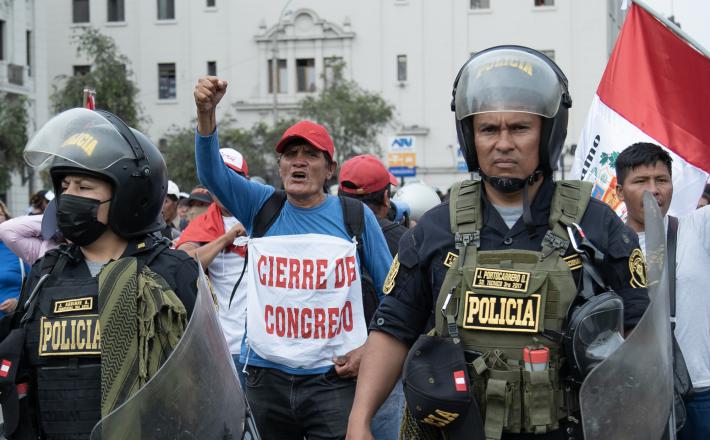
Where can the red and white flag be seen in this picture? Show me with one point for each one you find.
(5, 368)
(655, 89)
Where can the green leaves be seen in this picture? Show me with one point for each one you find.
(109, 76)
(13, 135)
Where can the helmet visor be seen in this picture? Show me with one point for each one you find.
(81, 136)
(599, 332)
(508, 80)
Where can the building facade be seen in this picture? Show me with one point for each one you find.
(409, 51)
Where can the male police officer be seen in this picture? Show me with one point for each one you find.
(97, 317)
(494, 266)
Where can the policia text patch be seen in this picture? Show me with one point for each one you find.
(501, 313)
(70, 336)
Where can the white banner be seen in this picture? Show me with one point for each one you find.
(304, 300)
(605, 135)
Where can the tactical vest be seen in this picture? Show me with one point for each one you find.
(500, 302)
(63, 347)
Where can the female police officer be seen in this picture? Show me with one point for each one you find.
(100, 315)
(494, 266)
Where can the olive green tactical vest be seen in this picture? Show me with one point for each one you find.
(500, 302)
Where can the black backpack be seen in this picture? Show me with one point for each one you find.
(354, 217)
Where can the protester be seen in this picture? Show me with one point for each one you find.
(121, 296)
(212, 238)
(12, 271)
(39, 201)
(511, 105)
(183, 208)
(31, 236)
(171, 231)
(198, 202)
(301, 370)
(365, 178)
(647, 167)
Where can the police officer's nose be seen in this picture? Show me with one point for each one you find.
(504, 141)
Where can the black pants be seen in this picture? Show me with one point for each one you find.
(287, 406)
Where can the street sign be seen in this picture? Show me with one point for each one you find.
(402, 156)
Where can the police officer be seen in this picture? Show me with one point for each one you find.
(494, 266)
(97, 317)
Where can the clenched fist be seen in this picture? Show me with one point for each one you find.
(209, 90)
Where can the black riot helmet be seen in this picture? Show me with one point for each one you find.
(100, 144)
(512, 79)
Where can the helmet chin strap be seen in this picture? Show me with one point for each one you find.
(510, 185)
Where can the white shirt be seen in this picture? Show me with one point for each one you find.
(224, 272)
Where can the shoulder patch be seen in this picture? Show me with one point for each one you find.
(450, 259)
(637, 267)
(391, 275)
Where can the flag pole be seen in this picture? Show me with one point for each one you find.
(674, 28)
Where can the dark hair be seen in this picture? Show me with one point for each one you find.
(376, 198)
(640, 153)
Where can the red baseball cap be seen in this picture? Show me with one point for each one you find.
(364, 174)
(309, 131)
(234, 160)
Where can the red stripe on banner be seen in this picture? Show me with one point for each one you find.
(659, 83)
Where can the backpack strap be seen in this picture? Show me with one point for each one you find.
(354, 219)
(268, 213)
(569, 202)
(672, 246)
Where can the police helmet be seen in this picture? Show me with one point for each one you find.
(99, 144)
(512, 79)
(418, 197)
(595, 330)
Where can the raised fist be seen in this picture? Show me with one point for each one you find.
(209, 90)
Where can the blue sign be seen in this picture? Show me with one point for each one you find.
(403, 171)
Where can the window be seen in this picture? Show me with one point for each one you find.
(549, 53)
(480, 4)
(401, 67)
(329, 64)
(166, 9)
(544, 2)
(80, 11)
(166, 81)
(211, 3)
(116, 10)
(81, 70)
(2, 40)
(28, 52)
(212, 68)
(281, 77)
(306, 75)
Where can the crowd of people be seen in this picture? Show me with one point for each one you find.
(377, 312)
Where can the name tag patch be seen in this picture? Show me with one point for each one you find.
(498, 279)
(501, 313)
(70, 336)
(450, 259)
(74, 305)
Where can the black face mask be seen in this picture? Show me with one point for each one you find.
(76, 219)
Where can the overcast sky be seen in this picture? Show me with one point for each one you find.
(693, 16)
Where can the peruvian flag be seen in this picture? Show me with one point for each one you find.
(656, 88)
(460, 380)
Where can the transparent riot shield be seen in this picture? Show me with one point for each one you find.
(629, 395)
(194, 395)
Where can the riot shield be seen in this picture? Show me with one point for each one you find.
(630, 394)
(194, 395)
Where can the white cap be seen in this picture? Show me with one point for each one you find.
(234, 160)
(173, 189)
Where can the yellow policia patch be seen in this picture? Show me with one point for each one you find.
(450, 259)
(501, 280)
(74, 305)
(70, 336)
(574, 261)
(85, 141)
(501, 313)
(637, 267)
(389, 281)
(440, 418)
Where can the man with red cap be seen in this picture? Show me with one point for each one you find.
(218, 240)
(305, 315)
